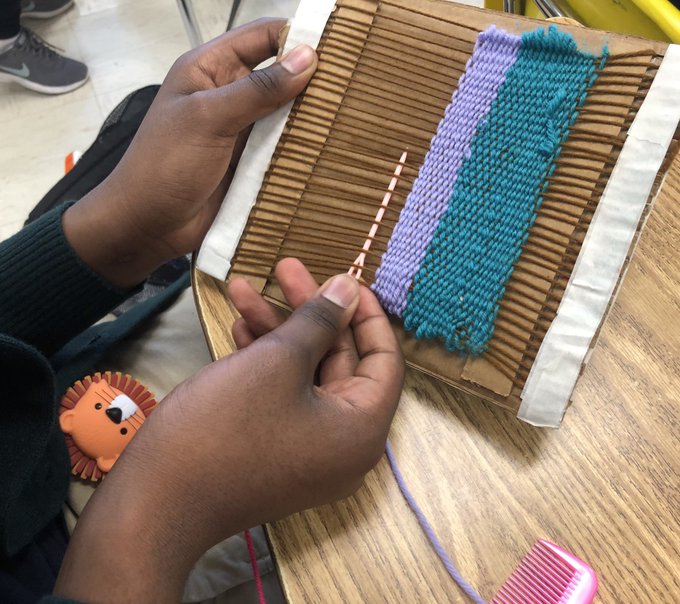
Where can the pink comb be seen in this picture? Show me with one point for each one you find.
(549, 575)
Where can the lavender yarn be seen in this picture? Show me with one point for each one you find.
(429, 531)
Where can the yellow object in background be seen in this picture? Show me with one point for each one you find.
(654, 19)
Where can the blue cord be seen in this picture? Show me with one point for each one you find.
(429, 531)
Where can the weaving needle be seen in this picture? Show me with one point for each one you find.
(357, 265)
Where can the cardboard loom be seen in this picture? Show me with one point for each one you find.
(387, 70)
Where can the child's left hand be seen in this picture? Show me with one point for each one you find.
(163, 196)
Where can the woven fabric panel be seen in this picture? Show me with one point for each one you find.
(496, 191)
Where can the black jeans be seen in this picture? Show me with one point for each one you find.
(32, 573)
(10, 11)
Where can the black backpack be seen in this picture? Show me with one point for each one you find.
(81, 355)
(103, 155)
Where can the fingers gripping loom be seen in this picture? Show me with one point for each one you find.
(367, 350)
(258, 317)
(242, 102)
(298, 286)
(237, 52)
(314, 327)
(252, 43)
(381, 359)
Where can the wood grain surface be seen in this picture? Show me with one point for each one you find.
(604, 486)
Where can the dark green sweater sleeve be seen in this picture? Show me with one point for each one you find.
(34, 462)
(48, 294)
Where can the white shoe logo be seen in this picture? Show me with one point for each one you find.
(24, 72)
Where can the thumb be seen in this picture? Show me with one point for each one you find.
(261, 92)
(313, 328)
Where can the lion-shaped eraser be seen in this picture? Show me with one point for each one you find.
(99, 415)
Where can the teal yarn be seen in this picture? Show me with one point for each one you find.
(458, 287)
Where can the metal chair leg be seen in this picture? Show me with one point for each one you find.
(186, 11)
(232, 15)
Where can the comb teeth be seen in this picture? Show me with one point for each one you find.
(549, 575)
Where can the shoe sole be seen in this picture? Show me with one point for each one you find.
(48, 14)
(8, 77)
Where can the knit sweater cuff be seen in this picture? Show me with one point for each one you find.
(48, 293)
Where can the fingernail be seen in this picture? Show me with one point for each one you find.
(341, 290)
(298, 59)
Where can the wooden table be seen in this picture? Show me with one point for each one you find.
(604, 486)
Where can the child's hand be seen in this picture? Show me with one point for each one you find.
(295, 419)
(163, 196)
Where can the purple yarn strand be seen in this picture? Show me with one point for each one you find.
(429, 531)
(494, 53)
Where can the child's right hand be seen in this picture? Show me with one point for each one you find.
(249, 439)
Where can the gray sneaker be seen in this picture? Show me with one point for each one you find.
(44, 9)
(31, 62)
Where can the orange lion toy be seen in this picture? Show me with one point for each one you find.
(99, 415)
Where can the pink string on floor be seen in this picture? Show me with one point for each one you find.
(256, 569)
